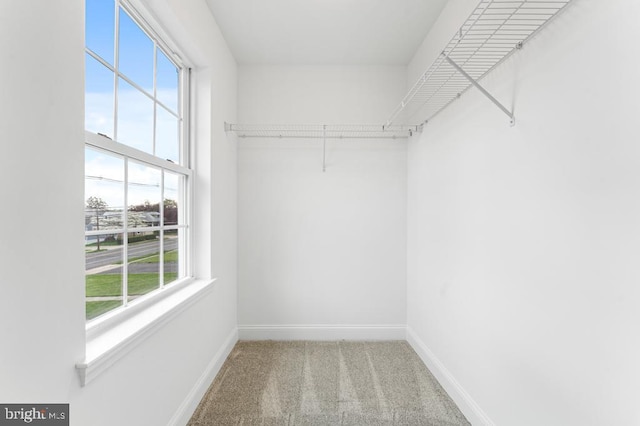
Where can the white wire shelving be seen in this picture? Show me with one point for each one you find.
(494, 30)
(323, 131)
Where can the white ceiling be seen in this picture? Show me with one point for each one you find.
(354, 32)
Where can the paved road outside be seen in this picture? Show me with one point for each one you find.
(113, 254)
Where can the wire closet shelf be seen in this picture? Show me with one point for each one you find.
(494, 30)
(323, 131)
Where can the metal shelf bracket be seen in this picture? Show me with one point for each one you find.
(324, 148)
(458, 68)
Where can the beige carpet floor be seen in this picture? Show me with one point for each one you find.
(325, 383)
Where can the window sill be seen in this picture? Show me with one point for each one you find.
(105, 345)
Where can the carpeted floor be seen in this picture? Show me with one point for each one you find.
(325, 383)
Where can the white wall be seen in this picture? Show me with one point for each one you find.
(523, 242)
(451, 18)
(318, 248)
(42, 304)
(41, 248)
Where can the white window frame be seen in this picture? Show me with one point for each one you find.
(110, 335)
(101, 143)
(104, 143)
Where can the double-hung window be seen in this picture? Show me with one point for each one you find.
(137, 173)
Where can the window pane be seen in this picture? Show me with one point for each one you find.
(173, 191)
(98, 100)
(167, 80)
(135, 118)
(103, 276)
(135, 53)
(144, 196)
(171, 256)
(167, 136)
(100, 28)
(144, 263)
(104, 190)
(138, 105)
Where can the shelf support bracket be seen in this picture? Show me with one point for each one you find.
(324, 148)
(512, 119)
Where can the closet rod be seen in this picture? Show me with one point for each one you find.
(323, 131)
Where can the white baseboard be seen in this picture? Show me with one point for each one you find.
(322, 332)
(190, 403)
(463, 400)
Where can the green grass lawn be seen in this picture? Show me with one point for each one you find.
(138, 284)
(95, 309)
(111, 284)
(169, 256)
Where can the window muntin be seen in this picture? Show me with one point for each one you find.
(134, 95)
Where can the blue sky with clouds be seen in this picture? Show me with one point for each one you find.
(135, 111)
